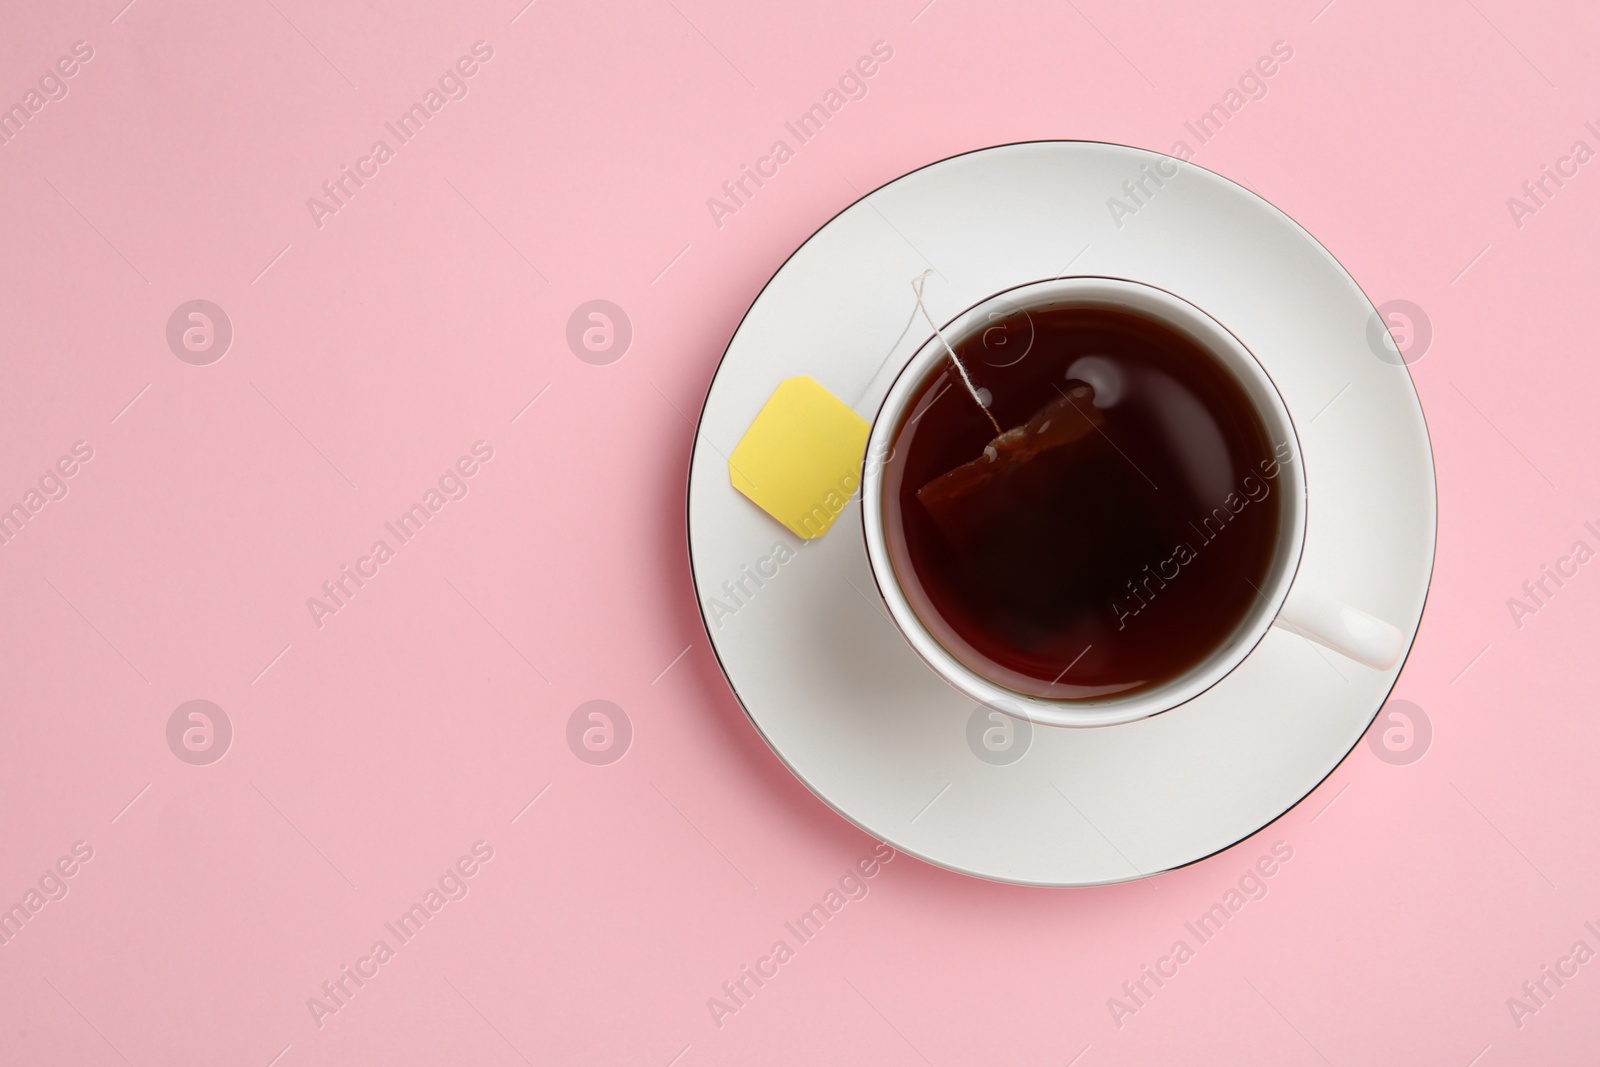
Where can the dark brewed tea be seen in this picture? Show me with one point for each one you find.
(1116, 533)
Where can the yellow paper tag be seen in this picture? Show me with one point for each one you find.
(800, 461)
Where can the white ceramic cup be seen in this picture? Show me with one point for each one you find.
(1313, 613)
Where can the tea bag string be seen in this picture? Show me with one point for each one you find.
(917, 284)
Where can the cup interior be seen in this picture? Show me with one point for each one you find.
(910, 611)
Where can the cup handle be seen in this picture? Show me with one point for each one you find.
(1348, 631)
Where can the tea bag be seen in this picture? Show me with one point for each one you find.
(955, 499)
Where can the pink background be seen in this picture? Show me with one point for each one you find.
(368, 354)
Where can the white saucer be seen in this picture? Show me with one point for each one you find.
(834, 688)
